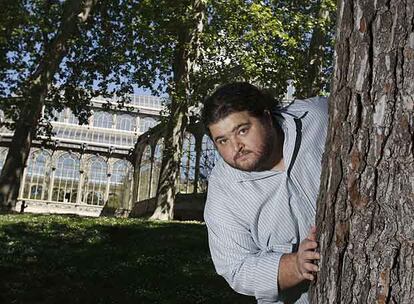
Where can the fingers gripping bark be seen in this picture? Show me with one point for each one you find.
(306, 256)
(299, 266)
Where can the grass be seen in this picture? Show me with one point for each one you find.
(70, 259)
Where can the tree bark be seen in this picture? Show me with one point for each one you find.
(187, 52)
(365, 215)
(34, 95)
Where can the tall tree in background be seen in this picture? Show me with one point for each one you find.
(366, 209)
(241, 40)
(186, 53)
(32, 96)
(76, 53)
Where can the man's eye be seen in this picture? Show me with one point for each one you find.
(243, 131)
(222, 141)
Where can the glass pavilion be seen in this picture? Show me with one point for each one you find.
(90, 169)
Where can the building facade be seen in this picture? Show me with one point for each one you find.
(92, 169)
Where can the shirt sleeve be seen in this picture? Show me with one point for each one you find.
(247, 269)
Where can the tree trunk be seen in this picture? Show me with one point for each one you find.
(187, 52)
(365, 214)
(34, 95)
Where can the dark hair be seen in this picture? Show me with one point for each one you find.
(236, 97)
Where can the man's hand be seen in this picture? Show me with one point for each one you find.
(306, 256)
(299, 266)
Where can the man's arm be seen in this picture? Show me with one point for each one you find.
(248, 269)
(299, 266)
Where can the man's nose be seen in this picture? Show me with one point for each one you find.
(237, 146)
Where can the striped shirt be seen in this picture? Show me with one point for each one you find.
(253, 218)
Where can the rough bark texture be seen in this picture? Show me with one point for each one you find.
(365, 214)
(187, 52)
(34, 97)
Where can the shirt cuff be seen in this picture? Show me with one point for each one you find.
(266, 276)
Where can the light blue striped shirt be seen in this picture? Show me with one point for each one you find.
(253, 218)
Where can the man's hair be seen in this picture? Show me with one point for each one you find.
(235, 97)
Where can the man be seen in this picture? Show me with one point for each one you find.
(262, 194)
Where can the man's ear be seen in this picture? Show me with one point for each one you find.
(268, 117)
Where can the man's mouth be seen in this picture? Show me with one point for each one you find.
(241, 156)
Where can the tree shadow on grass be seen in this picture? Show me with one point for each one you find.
(68, 259)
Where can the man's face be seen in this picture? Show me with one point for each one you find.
(245, 142)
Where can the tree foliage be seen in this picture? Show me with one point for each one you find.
(264, 42)
(131, 42)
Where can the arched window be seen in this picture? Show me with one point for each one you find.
(120, 186)
(102, 119)
(146, 123)
(157, 166)
(95, 181)
(66, 178)
(144, 174)
(67, 166)
(125, 122)
(187, 164)
(208, 158)
(98, 170)
(36, 183)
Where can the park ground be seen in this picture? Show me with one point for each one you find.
(71, 259)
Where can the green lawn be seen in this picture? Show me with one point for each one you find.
(70, 259)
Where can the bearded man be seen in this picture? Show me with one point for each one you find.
(262, 193)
